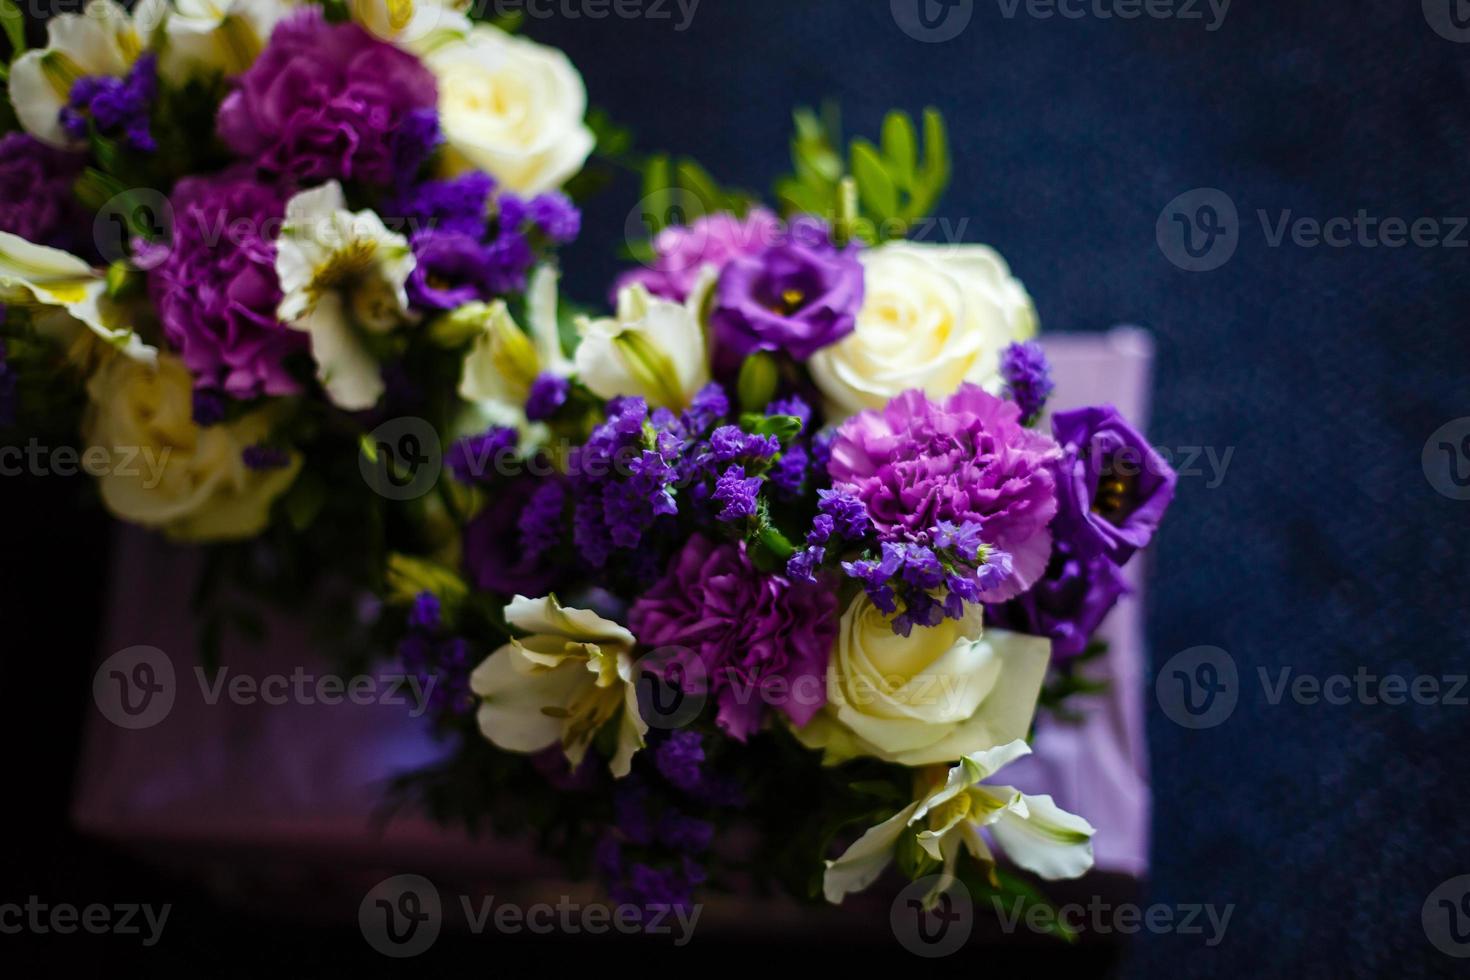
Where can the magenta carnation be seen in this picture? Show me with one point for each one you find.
(325, 101)
(758, 639)
(967, 458)
(681, 251)
(216, 289)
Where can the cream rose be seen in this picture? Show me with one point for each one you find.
(933, 317)
(511, 107)
(933, 696)
(163, 471)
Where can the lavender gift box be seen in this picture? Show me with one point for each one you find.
(257, 798)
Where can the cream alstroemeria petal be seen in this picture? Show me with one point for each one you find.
(632, 730)
(1047, 841)
(541, 306)
(862, 863)
(502, 362)
(36, 275)
(513, 711)
(346, 368)
(547, 615)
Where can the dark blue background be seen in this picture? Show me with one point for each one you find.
(1325, 369)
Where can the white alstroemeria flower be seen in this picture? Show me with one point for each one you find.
(418, 26)
(102, 40)
(654, 348)
(50, 279)
(343, 276)
(1033, 831)
(562, 683)
(503, 359)
(217, 36)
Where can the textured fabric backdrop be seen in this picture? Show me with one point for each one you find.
(1324, 369)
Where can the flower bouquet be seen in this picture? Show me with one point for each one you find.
(774, 564)
(762, 574)
(230, 238)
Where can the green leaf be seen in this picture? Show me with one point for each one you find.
(305, 501)
(14, 23)
(1011, 897)
(900, 148)
(932, 178)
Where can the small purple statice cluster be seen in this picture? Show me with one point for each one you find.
(651, 857)
(639, 467)
(440, 663)
(114, 108)
(472, 244)
(932, 576)
(1027, 375)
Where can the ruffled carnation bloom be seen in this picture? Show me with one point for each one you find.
(758, 638)
(36, 199)
(683, 251)
(216, 289)
(1067, 605)
(966, 458)
(326, 101)
(797, 296)
(1112, 486)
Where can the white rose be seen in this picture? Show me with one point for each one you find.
(511, 107)
(933, 317)
(932, 696)
(654, 348)
(163, 471)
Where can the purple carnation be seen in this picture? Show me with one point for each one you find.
(792, 297)
(1067, 605)
(1112, 486)
(760, 638)
(36, 200)
(968, 458)
(682, 251)
(216, 289)
(326, 101)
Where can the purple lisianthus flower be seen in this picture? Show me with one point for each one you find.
(793, 297)
(1112, 486)
(36, 200)
(216, 289)
(1068, 604)
(452, 269)
(492, 544)
(759, 638)
(326, 101)
(682, 251)
(967, 458)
